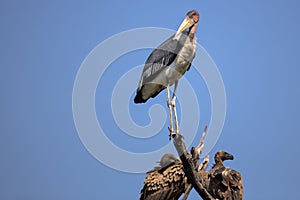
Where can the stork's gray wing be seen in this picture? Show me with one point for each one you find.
(160, 58)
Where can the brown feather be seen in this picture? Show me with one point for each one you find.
(223, 182)
(162, 185)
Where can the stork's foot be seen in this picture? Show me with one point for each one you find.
(172, 133)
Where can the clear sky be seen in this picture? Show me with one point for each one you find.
(43, 44)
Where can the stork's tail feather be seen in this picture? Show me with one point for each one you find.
(138, 98)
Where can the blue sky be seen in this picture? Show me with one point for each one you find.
(254, 44)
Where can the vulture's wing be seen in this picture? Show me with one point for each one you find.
(168, 184)
(233, 180)
(225, 183)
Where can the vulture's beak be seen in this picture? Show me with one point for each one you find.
(228, 156)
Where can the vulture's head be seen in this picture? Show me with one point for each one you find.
(167, 159)
(220, 156)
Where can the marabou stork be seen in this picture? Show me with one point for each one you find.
(167, 64)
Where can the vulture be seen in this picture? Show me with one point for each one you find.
(223, 182)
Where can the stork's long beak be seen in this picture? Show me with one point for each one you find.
(187, 23)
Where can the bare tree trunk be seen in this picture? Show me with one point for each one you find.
(189, 167)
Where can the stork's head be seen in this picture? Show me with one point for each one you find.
(220, 156)
(192, 18)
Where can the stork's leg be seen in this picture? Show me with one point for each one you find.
(174, 108)
(170, 111)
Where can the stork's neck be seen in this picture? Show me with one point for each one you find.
(192, 30)
(178, 35)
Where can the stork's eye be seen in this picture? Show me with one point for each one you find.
(196, 18)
